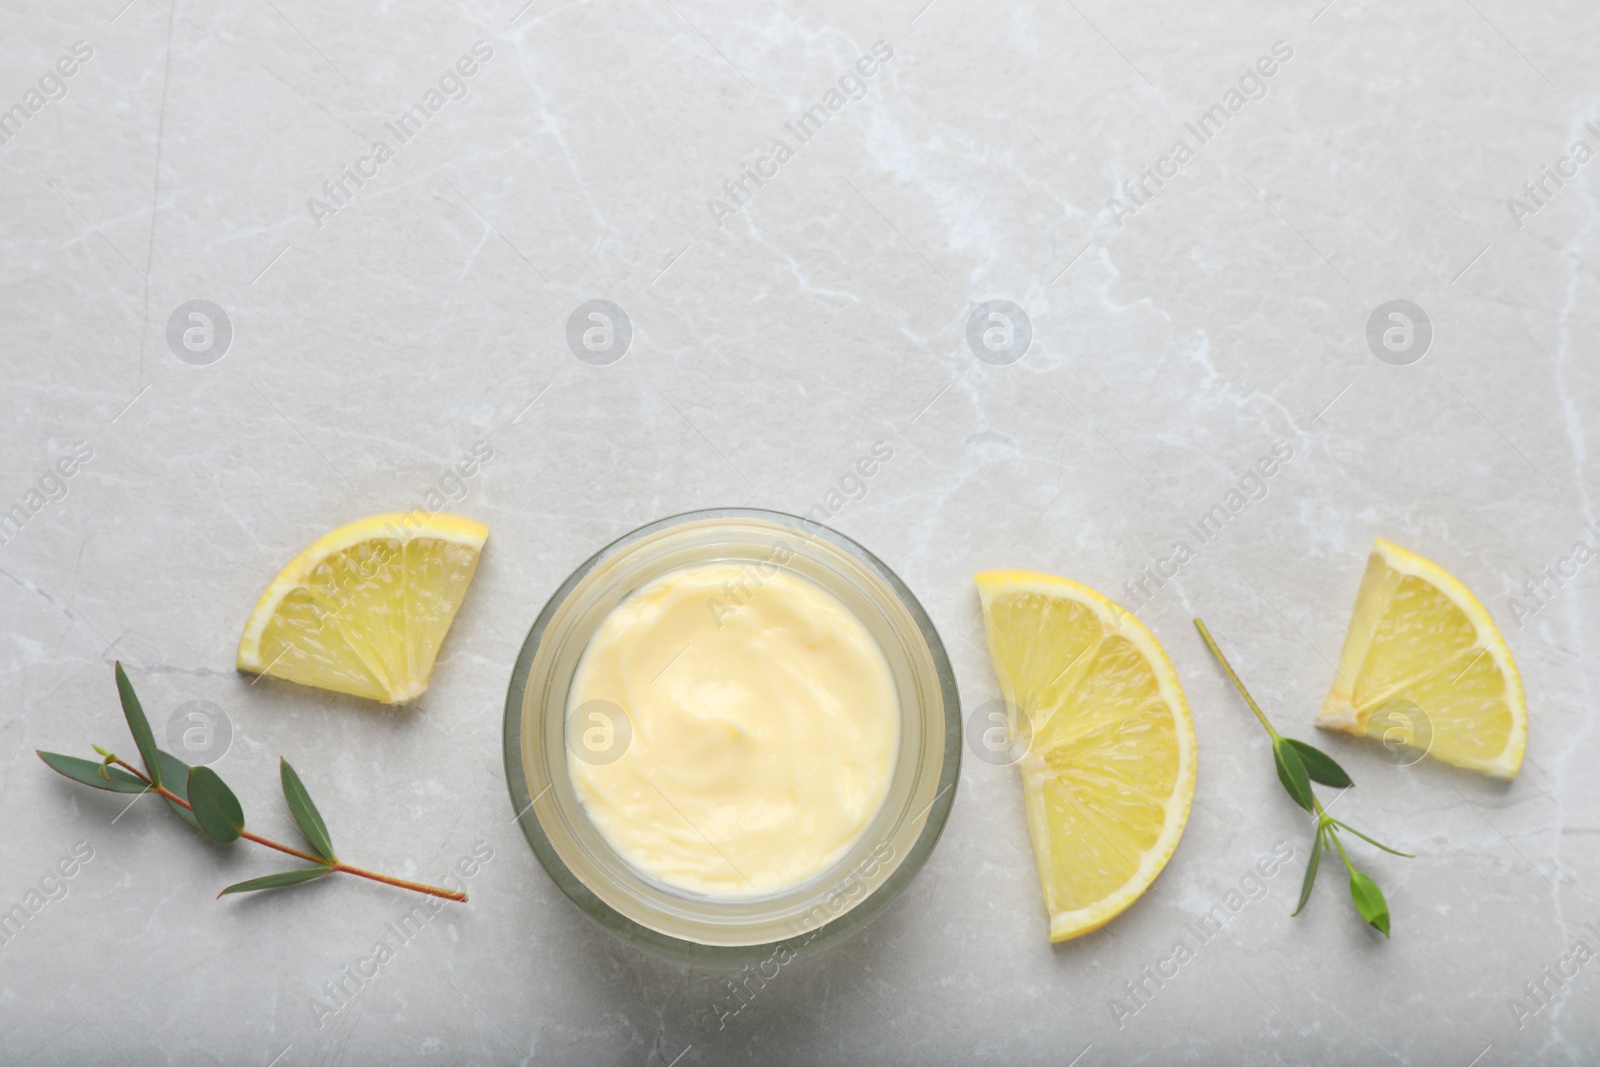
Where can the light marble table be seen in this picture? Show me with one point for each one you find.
(376, 313)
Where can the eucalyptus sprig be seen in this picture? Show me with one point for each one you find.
(200, 798)
(1300, 764)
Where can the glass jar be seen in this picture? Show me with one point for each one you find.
(796, 920)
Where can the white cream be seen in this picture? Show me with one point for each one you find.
(764, 728)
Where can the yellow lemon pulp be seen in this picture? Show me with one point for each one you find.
(1108, 778)
(1425, 665)
(364, 608)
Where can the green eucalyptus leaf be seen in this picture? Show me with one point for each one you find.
(1311, 872)
(1292, 772)
(176, 772)
(1370, 841)
(1369, 901)
(277, 881)
(1320, 766)
(304, 811)
(215, 807)
(133, 711)
(92, 773)
(175, 775)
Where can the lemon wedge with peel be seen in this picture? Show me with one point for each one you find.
(364, 608)
(1108, 777)
(1425, 665)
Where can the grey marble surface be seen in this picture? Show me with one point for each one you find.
(376, 335)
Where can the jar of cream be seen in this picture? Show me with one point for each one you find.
(732, 733)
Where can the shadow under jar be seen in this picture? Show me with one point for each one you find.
(707, 929)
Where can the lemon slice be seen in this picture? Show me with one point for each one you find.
(364, 608)
(1108, 777)
(1425, 665)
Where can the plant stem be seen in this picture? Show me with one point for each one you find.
(1237, 684)
(337, 866)
(1333, 835)
(1320, 814)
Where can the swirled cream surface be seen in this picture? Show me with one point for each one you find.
(762, 726)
